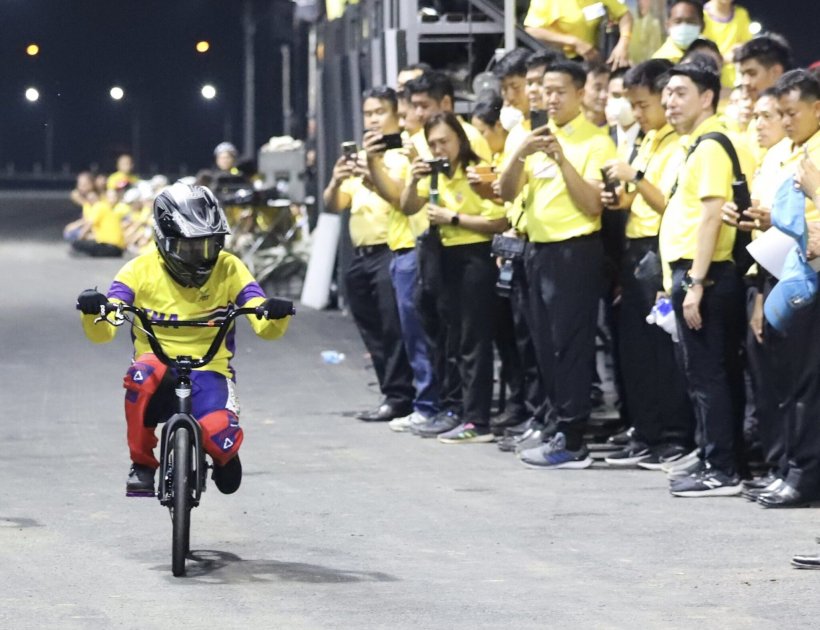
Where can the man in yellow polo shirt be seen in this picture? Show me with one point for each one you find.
(369, 286)
(560, 165)
(573, 25)
(684, 24)
(655, 395)
(705, 287)
(796, 356)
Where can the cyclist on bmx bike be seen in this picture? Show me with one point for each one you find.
(188, 277)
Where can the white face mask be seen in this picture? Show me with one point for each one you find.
(510, 117)
(684, 34)
(619, 112)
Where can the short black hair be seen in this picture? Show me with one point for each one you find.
(700, 43)
(695, 3)
(618, 73)
(544, 58)
(513, 64)
(703, 75)
(768, 92)
(768, 50)
(383, 93)
(435, 84)
(802, 80)
(572, 68)
(648, 74)
(702, 59)
(488, 110)
(596, 68)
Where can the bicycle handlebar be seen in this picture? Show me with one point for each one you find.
(223, 324)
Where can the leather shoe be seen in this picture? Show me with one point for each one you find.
(806, 562)
(384, 413)
(760, 482)
(784, 497)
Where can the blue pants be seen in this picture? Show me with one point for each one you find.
(404, 274)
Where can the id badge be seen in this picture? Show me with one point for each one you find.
(594, 11)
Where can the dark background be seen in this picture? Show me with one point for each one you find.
(148, 48)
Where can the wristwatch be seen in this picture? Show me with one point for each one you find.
(639, 175)
(455, 220)
(690, 281)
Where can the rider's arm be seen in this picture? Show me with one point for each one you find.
(251, 295)
(120, 291)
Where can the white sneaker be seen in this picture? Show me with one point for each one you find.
(681, 463)
(405, 423)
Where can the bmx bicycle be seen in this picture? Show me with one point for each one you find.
(183, 468)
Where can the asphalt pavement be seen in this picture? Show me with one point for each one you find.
(339, 523)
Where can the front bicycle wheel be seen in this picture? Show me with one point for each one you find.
(181, 505)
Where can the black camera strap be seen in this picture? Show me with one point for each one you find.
(723, 140)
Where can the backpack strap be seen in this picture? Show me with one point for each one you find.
(723, 140)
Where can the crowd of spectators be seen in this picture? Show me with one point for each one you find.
(608, 193)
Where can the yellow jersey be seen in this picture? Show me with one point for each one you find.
(707, 173)
(551, 214)
(728, 34)
(144, 282)
(669, 50)
(658, 148)
(811, 148)
(457, 195)
(579, 18)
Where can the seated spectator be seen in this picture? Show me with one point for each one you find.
(83, 195)
(124, 173)
(647, 33)
(106, 218)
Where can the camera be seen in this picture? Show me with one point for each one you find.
(439, 165)
(508, 249)
(349, 150)
(392, 141)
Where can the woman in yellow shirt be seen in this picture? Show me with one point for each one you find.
(465, 223)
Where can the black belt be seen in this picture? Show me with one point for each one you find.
(369, 250)
(404, 250)
(596, 235)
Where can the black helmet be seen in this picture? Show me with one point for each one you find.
(189, 229)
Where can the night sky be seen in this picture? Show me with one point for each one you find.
(148, 48)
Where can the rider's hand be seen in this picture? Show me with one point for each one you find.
(90, 301)
(275, 308)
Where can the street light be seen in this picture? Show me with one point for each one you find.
(117, 93)
(203, 46)
(32, 95)
(32, 50)
(755, 28)
(208, 91)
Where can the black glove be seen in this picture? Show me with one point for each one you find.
(276, 308)
(90, 301)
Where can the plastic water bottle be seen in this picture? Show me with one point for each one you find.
(332, 357)
(663, 315)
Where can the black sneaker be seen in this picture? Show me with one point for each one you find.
(709, 483)
(439, 423)
(632, 455)
(622, 439)
(661, 455)
(140, 481)
(227, 478)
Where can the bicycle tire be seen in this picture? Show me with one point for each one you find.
(181, 505)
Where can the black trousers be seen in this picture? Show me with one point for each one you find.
(515, 346)
(565, 286)
(712, 363)
(469, 282)
(760, 362)
(654, 386)
(796, 362)
(443, 332)
(373, 306)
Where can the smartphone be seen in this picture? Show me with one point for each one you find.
(349, 150)
(609, 184)
(538, 118)
(392, 141)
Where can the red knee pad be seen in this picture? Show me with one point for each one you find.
(141, 382)
(221, 435)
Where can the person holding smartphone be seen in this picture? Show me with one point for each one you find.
(560, 164)
(465, 223)
(368, 283)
